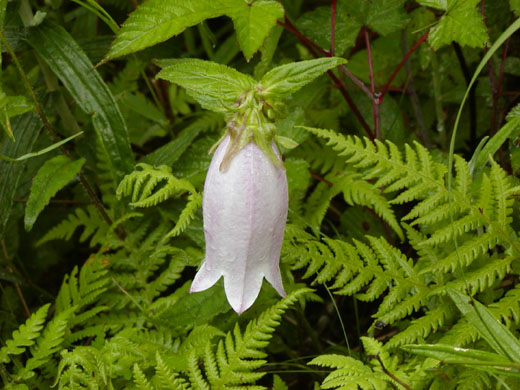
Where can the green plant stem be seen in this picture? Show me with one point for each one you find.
(472, 97)
(340, 319)
(52, 132)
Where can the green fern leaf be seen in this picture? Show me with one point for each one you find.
(25, 335)
(167, 379)
(349, 373)
(239, 354)
(187, 214)
(142, 182)
(278, 383)
(90, 219)
(48, 343)
(140, 380)
(53, 175)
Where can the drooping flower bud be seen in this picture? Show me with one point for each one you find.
(245, 210)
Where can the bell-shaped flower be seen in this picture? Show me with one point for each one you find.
(245, 211)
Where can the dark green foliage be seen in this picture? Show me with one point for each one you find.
(417, 245)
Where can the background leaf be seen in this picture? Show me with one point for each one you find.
(286, 79)
(462, 23)
(253, 21)
(381, 16)
(216, 87)
(74, 69)
(51, 177)
(158, 20)
(26, 128)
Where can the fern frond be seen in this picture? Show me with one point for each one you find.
(361, 192)
(140, 380)
(465, 254)
(48, 343)
(94, 227)
(365, 270)
(236, 358)
(187, 214)
(349, 373)
(167, 379)
(483, 277)
(501, 186)
(422, 327)
(81, 363)
(278, 383)
(149, 186)
(468, 379)
(508, 307)
(25, 335)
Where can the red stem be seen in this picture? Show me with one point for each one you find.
(356, 81)
(403, 61)
(306, 41)
(375, 108)
(333, 29)
(312, 47)
(352, 105)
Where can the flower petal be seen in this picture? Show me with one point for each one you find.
(245, 210)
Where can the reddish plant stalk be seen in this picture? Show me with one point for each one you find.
(303, 39)
(375, 107)
(333, 28)
(352, 105)
(356, 81)
(312, 47)
(401, 64)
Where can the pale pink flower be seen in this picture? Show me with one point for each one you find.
(245, 210)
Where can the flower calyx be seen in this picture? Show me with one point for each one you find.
(251, 119)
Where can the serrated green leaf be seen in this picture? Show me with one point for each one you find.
(381, 16)
(216, 87)
(51, 177)
(156, 21)
(286, 79)
(347, 27)
(253, 21)
(462, 23)
(438, 4)
(74, 69)
(25, 335)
